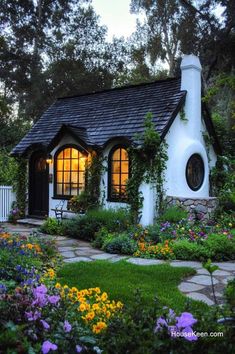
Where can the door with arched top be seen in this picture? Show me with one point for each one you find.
(38, 185)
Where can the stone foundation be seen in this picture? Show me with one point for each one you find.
(198, 208)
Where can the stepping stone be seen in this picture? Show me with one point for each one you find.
(200, 297)
(68, 254)
(186, 264)
(66, 248)
(117, 259)
(217, 294)
(102, 256)
(221, 273)
(226, 266)
(225, 280)
(202, 271)
(202, 280)
(77, 259)
(61, 238)
(186, 287)
(144, 262)
(67, 242)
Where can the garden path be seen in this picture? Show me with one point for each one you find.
(197, 287)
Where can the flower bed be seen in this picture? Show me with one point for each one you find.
(39, 315)
(183, 240)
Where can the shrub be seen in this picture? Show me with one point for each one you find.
(51, 226)
(122, 244)
(221, 247)
(186, 250)
(85, 227)
(101, 237)
(82, 227)
(81, 203)
(173, 214)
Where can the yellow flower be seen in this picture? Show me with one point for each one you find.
(97, 290)
(119, 305)
(82, 307)
(95, 307)
(97, 328)
(90, 315)
(104, 296)
(57, 286)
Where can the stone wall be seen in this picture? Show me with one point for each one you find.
(201, 208)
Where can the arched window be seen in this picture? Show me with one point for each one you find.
(70, 166)
(118, 173)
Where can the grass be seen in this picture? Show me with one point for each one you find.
(120, 280)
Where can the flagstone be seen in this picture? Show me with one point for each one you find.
(200, 297)
(186, 287)
(202, 280)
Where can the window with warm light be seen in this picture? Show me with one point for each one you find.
(70, 166)
(118, 174)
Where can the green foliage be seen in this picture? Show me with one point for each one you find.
(51, 226)
(148, 162)
(94, 172)
(21, 184)
(173, 214)
(217, 247)
(100, 237)
(80, 203)
(122, 244)
(230, 294)
(85, 227)
(186, 250)
(211, 268)
(8, 167)
(220, 247)
(223, 181)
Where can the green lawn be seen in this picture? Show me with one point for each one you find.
(120, 280)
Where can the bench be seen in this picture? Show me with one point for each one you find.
(59, 211)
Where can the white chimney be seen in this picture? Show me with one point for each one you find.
(191, 82)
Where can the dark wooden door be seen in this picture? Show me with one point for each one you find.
(38, 185)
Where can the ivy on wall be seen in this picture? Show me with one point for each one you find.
(20, 184)
(148, 162)
(94, 172)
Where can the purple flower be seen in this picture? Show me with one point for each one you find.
(185, 320)
(45, 324)
(40, 295)
(161, 322)
(53, 299)
(67, 326)
(78, 348)
(40, 290)
(47, 346)
(32, 316)
(188, 334)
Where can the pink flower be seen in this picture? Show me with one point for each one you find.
(47, 346)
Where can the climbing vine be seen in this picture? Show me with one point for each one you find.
(20, 185)
(90, 197)
(94, 172)
(148, 161)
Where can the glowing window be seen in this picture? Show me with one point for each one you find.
(70, 166)
(118, 174)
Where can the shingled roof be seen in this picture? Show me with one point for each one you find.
(100, 116)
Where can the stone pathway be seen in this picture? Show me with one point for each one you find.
(197, 287)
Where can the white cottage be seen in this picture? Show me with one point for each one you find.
(107, 122)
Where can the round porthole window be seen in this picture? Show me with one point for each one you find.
(195, 172)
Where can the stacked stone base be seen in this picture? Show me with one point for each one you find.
(198, 208)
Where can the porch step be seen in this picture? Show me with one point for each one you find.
(31, 221)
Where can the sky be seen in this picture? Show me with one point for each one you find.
(115, 14)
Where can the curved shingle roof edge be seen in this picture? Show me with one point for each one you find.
(104, 115)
